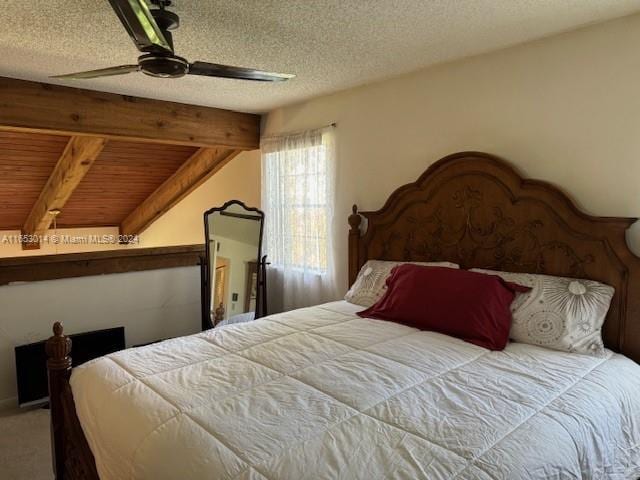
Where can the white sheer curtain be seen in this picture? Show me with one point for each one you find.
(298, 179)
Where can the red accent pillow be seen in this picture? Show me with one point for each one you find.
(472, 306)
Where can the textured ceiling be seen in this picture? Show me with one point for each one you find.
(329, 44)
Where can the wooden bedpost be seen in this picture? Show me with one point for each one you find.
(58, 349)
(354, 242)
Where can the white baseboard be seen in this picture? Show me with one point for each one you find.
(8, 403)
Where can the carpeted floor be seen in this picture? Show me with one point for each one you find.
(24, 445)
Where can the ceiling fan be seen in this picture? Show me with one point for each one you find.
(150, 30)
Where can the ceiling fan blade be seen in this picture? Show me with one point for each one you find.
(227, 71)
(102, 72)
(140, 25)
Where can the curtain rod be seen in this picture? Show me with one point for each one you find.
(299, 132)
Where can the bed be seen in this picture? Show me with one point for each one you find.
(323, 393)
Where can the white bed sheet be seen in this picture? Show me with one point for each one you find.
(320, 393)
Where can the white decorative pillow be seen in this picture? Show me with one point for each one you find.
(371, 282)
(560, 313)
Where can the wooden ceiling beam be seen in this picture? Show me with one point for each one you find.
(45, 108)
(195, 171)
(75, 161)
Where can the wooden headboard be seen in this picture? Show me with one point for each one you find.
(474, 209)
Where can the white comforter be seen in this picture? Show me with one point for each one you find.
(319, 393)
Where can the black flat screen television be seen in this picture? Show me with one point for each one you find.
(31, 361)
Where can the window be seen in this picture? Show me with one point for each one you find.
(298, 200)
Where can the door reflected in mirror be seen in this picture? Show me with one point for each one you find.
(233, 280)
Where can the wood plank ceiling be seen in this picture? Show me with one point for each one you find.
(122, 177)
(103, 159)
(26, 161)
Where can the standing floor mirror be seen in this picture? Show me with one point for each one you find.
(233, 277)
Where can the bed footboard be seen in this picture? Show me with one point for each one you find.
(72, 457)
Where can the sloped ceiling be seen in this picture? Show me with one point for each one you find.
(26, 162)
(329, 44)
(122, 177)
(92, 159)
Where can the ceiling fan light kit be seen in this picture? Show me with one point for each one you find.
(150, 30)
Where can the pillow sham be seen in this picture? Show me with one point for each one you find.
(559, 313)
(471, 306)
(371, 284)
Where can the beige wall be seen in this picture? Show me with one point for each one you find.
(564, 109)
(182, 225)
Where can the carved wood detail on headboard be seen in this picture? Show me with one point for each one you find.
(473, 209)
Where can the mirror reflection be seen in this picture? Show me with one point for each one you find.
(234, 235)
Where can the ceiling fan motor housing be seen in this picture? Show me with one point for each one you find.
(163, 66)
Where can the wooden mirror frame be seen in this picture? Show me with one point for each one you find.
(261, 297)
